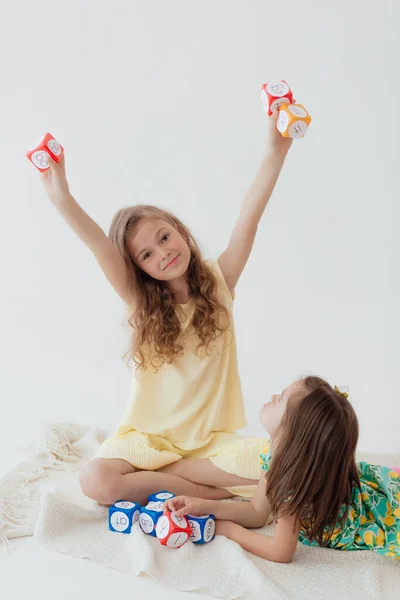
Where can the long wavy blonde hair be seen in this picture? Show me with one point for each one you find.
(156, 337)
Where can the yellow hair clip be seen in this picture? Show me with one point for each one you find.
(344, 394)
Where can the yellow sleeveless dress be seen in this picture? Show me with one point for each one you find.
(190, 408)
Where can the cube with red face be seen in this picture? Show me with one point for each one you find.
(274, 94)
(40, 150)
(173, 531)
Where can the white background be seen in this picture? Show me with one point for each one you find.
(158, 102)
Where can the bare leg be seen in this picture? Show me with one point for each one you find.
(143, 483)
(108, 480)
(203, 471)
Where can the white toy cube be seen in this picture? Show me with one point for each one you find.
(203, 528)
(40, 150)
(161, 496)
(293, 121)
(149, 516)
(122, 515)
(173, 531)
(274, 94)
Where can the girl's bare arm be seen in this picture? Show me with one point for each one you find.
(110, 260)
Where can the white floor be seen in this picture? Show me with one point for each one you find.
(31, 572)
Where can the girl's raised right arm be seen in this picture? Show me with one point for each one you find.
(107, 255)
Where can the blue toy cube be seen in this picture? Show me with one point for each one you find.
(122, 515)
(149, 516)
(203, 528)
(161, 496)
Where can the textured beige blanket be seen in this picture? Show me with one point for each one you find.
(42, 496)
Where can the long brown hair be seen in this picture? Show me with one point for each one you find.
(313, 471)
(154, 320)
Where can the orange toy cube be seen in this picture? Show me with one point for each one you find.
(274, 94)
(173, 531)
(293, 120)
(40, 150)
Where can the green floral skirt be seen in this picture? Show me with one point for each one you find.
(373, 520)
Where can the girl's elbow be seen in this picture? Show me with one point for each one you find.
(280, 556)
(284, 559)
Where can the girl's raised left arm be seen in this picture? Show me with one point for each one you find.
(233, 260)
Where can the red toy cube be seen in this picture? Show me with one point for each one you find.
(274, 94)
(39, 151)
(173, 531)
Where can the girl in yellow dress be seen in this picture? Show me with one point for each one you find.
(178, 431)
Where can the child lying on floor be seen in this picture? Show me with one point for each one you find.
(312, 486)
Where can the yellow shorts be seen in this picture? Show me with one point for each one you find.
(227, 451)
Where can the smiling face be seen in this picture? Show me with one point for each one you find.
(272, 412)
(159, 249)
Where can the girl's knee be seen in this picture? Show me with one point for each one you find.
(99, 480)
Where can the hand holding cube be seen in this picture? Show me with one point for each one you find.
(160, 519)
(293, 119)
(41, 149)
(173, 530)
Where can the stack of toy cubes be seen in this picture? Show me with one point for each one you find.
(124, 514)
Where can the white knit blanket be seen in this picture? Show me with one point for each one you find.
(42, 497)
